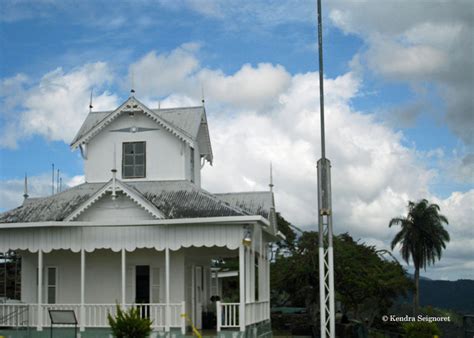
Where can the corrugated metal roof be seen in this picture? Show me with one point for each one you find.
(175, 199)
(255, 202)
(91, 120)
(185, 119)
(52, 208)
(182, 199)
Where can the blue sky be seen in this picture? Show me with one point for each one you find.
(399, 88)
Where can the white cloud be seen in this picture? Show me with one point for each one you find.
(268, 116)
(57, 105)
(179, 72)
(160, 75)
(420, 45)
(369, 162)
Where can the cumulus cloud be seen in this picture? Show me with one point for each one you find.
(420, 45)
(273, 116)
(56, 106)
(179, 72)
(368, 158)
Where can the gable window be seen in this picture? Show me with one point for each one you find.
(133, 159)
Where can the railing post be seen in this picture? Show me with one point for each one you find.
(40, 291)
(242, 287)
(167, 290)
(218, 315)
(123, 264)
(183, 319)
(82, 310)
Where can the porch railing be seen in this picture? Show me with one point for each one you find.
(227, 315)
(95, 315)
(257, 312)
(14, 315)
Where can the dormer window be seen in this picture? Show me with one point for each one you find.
(133, 159)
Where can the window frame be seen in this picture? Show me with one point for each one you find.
(133, 143)
(47, 286)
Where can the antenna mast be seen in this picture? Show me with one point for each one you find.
(326, 257)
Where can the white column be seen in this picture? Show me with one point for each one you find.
(247, 274)
(242, 287)
(183, 319)
(193, 293)
(252, 272)
(167, 276)
(40, 290)
(123, 277)
(218, 316)
(267, 283)
(83, 274)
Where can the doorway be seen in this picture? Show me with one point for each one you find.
(142, 284)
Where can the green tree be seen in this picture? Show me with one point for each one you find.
(422, 238)
(365, 281)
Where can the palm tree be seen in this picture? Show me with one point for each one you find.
(422, 238)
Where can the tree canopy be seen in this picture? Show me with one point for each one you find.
(422, 238)
(367, 280)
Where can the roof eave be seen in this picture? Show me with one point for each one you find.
(221, 220)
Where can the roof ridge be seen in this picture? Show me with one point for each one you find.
(176, 108)
(243, 192)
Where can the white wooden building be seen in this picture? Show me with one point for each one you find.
(141, 231)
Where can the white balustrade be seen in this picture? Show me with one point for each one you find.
(227, 315)
(95, 314)
(256, 312)
(13, 315)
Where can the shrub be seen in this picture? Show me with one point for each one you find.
(129, 324)
(421, 330)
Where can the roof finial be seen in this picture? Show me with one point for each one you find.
(132, 91)
(159, 104)
(90, 102)
(25, 192)
(271, 177)
(52, 179)
(202, 95)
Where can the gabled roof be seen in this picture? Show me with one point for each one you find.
(118, 186)
(171, 199)
(187, 123)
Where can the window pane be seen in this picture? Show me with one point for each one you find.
(128, 160)
(127, 171)
(128, 148)
(139, 147)
(139, 159)
(51, 295)
(51, 276)
(139, 171)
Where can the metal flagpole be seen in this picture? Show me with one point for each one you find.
(326, 260)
